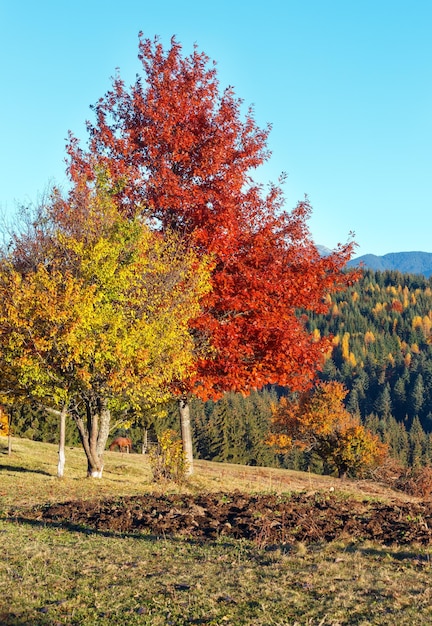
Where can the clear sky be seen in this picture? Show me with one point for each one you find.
(347, 87)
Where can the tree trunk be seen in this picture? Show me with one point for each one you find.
(186, 433)
(342, 472)
(94, 434)
(104, 427)
(9, 415)
(145, 441)
(62, 438)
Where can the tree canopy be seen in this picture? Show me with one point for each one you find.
(94, 314)
(181, 154)
(318, 420)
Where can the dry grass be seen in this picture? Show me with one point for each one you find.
(29, 476)
(54, 576)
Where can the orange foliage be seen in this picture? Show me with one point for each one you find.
(4, 422)
(319, 421)
(369, 337)
(397, 306)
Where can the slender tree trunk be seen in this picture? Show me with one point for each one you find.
(62, 439)
(9, 415)
(145, 441)
(62, 436)
(186, 433)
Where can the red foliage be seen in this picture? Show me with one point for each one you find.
(397, 306)
(179, 152)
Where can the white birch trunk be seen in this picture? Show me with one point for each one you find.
(62, 438)
(186, 432)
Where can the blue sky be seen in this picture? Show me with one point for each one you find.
(347, 87)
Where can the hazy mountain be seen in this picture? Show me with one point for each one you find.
(405, 262)
(323, 250)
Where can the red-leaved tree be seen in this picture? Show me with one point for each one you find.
(180, 153)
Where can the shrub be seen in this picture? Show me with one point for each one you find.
(4, 422)
(416, 482)
(167, 459)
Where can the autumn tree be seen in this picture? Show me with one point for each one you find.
(318, 420)
(180, 153)
(94, 314)
(5, 429)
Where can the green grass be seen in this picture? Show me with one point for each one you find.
(52, 576)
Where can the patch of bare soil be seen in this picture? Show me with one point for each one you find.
(266, 519)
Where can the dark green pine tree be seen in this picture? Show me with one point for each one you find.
(353, 403)
(202, 440)
(417, 396)
(402, 444)
(417, 443)
(400, 396)
(218, 430)
(258, 426)
(383, 403)
(395, 435)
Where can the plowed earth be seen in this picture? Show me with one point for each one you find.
(266, 519)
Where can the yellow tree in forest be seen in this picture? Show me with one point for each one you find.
(319, 421)
(95, 314)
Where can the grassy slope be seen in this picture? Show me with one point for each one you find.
(55, 576)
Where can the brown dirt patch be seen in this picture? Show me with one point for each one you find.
(266, 519)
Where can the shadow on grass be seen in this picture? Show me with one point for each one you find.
(380, 551)
(143, 535)
(11, 619)
(14, 620)
(388, 551)
(16, 468)
(37, 618)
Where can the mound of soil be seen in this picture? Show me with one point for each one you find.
(266, 519)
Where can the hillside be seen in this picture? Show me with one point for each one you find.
(405, 262)
(34, 463)
(382, 352)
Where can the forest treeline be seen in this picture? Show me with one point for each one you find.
(382, 353)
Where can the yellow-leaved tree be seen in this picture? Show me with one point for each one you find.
(94, 314)
(4, 423)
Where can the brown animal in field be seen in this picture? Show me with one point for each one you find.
(124, 444)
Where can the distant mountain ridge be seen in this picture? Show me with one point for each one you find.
(405, 262)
